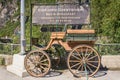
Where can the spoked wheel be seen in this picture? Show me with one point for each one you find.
(83, 60)
(37, 63)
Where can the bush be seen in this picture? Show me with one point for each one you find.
(1, 60)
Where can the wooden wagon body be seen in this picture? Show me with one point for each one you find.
(73, 38)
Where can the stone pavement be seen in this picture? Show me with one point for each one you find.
(65, 75)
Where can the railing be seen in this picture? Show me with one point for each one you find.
(108, 49)
(9, 48)
(103, 49)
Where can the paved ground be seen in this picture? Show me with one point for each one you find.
(57, 75)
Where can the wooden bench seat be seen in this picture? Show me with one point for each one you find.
(80, 35)
(57, 35)
(72, 31)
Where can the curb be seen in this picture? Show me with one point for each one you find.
(111, 61)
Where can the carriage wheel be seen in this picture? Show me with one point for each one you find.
(37, 63)
(83, 60)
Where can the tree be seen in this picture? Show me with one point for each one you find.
(111, 21)
(105, 18)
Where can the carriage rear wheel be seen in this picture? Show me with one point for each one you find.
(83, 60)
(37, 63)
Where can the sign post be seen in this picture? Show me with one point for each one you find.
(22, 21)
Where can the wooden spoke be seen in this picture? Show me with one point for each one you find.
(76, 57)
(41, 57)
(82, 68)
(79, 66)
(74, 61)
(30, 61)
(89, 68)
(35, 55)
(89, 54)
(86, 51)
(45, 65)
(38, 70)
(78, 53)
(44, 60)
(75, 65)
(92, 57)
(30, 68)
(82, 52)
(32, 71)
(81, 49)
(92, 65)
(93, 61)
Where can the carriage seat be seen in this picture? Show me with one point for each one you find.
(57, 35)
(73, 31)
(80, 35)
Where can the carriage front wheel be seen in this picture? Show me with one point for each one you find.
(83, 60)
(37, 63)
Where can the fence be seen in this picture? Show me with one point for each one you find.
(7, 48)
(103, 49)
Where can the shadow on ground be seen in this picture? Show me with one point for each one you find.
(102, 72)
(58, 70)
(53, 73)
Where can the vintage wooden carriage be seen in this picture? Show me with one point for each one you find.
(82, 58)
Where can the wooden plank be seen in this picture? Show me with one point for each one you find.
(48, 46)
(72, 31)
(58, 35)
(65, 45)
(73, 44)
(80, 38)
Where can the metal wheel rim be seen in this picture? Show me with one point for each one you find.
(42, 67)
(80, 62)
